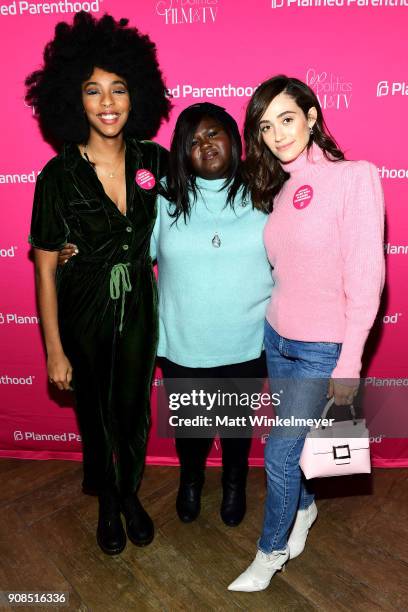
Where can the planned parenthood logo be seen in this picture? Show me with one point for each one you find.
(227, 90)
(392, 318)
(393, 173)
(182, 12)
(18, 178)
(61, 7)
(395, 249)
(5, 379)
(65, 436)
(394, 88)
(333, 91)
(12, 318)
(8, 251)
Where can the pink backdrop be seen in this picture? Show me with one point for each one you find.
(352, 52)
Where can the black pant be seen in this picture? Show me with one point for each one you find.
(112, 372)
(193, 452)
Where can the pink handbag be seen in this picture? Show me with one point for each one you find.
(341, 449)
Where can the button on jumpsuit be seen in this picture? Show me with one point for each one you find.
(107, 305)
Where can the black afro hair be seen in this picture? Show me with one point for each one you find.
(69, 60)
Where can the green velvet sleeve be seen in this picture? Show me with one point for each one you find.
(48, 231)
(158, 157)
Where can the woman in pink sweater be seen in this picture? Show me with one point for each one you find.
(324, 239)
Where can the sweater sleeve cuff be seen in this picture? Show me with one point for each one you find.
(350, 358)
(346, 373)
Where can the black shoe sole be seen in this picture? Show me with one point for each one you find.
(188, 519)
(141, 543)
(233, 523)
(110, 551)
(235, 518)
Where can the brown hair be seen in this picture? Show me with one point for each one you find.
(262, 171)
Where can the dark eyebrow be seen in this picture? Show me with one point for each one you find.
(280, 115)
(113, 83)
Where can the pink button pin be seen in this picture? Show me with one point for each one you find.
(303, 196)
(145, 179)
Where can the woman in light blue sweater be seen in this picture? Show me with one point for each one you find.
(214, 286)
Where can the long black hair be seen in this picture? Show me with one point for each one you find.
(262, 170)
(69, 60)
(181, 188)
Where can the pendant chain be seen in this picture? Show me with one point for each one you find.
(216, 240)
(111, 174)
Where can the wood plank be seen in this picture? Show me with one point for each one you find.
(330, 585)
(23, 564)
(353, 512)
(7, 464)
(356, 556)
(102, 582)
(10, 522)
(389, 539)
(161, 568)
(50, 497)
(336, 567)
(218, 560)
(27, 476)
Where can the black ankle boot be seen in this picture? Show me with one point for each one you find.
(188, 503)
(139, 525)
(233, 505)
(110, 534)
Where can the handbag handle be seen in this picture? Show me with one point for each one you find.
(330, 404)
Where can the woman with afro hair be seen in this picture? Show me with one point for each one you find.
(98, 97)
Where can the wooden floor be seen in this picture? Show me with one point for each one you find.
(356, 556)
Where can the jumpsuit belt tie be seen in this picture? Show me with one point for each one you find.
(120, 285)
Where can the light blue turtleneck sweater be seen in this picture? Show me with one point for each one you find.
(212, 301)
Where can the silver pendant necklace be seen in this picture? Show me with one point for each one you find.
(216, 241)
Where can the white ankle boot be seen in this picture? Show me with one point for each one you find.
(258, 575)
(303, 522)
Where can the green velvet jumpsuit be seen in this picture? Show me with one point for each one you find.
(107, 305)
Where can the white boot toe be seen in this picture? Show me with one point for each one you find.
(258, 575)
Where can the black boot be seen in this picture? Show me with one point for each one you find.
(233, 505)
(235, 453)
(188, 503)
(139, 525)
(192, 454)
(110, 534)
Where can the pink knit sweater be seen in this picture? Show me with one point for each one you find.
(324, 240)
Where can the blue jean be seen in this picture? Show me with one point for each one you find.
(300, 372)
